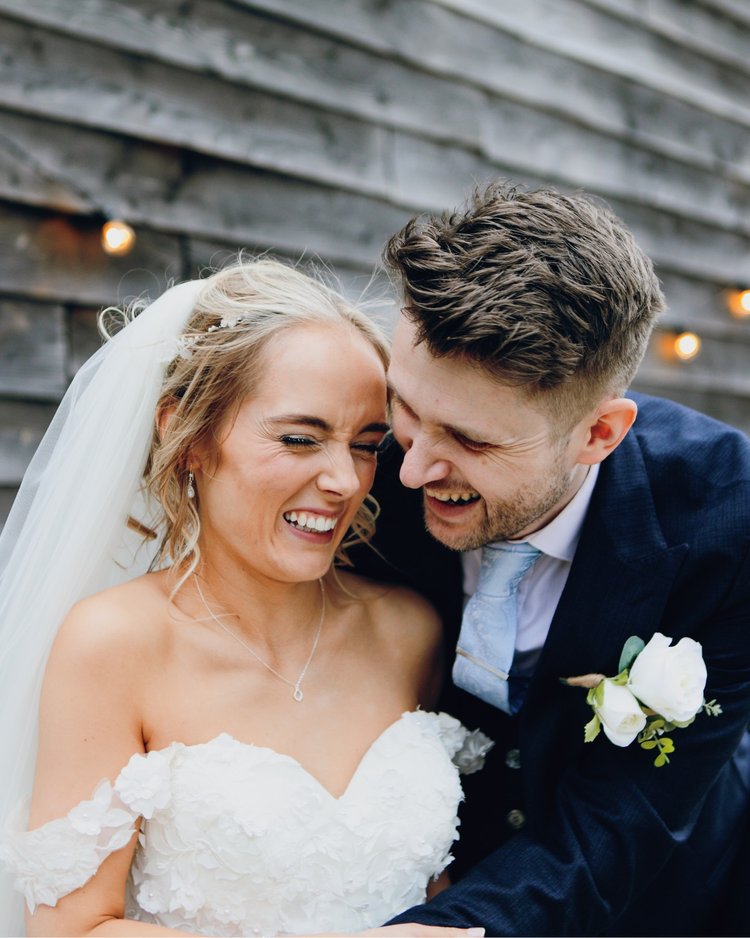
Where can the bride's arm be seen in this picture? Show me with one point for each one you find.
(438, 885)
(90, 726)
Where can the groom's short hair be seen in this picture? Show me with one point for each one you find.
(547, 292)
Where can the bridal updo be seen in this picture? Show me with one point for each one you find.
(217, 365)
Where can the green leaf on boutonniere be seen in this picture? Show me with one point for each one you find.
(663, 743)
(711, 708)
(683, 724)
(595, 697)
(591, 729)
(630, 651)
(621, 679)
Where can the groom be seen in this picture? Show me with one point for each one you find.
(524, 320)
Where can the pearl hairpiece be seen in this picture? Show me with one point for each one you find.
(183, 344)
(229, 323)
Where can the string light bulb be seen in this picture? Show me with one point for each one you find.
(686, 346)
(738, 302)
(679, 346)
(118, 238)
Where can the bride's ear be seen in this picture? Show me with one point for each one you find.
(164, 414)
(606, 428)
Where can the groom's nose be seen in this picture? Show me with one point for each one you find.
(422, 464)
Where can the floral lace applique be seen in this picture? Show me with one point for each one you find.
(467, 748)
(53, 860)
(237, 839)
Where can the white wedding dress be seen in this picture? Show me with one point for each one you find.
(238, 839)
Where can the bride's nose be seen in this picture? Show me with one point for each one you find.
(339, 475)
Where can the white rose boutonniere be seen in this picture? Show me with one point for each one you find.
(670, 679)
(619, 713)
(658, 688)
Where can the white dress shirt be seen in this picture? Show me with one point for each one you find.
(541, 588)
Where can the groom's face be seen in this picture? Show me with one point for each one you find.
(487, 461)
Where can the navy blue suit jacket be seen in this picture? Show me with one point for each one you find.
(587, 839)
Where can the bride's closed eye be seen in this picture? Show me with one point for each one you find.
(371, 449)
(296, 441)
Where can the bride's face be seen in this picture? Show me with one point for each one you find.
(296, 463)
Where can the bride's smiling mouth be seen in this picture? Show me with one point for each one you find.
(311, 523)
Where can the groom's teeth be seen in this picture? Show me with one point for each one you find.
(454, 497)
(317, 523)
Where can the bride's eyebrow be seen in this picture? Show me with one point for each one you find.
(317, 423)
(305, 420)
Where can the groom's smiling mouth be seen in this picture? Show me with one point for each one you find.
(455, 497)
(449, 503)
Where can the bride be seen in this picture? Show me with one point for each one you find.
(235, 742)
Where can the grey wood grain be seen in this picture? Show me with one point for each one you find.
(85, 338)
(32, 349)
(251, 49)
(22, 426)
(575, 30)
(438, 89)
(565, 28)
(48, 75)
(58, 258)
(709, 31)
(212, 198)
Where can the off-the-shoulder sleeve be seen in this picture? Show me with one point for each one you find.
(59, 857)
(467, 748)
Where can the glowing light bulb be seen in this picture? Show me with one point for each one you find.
(118, 237)
(738, 302)
(686, 346)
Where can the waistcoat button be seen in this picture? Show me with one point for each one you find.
(513, 758)
(515, 819)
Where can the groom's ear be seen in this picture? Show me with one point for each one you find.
(604, 429)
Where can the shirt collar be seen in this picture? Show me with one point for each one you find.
(559, 537)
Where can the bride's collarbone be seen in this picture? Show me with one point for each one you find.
(206, 685)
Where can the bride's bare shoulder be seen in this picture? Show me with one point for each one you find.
(124, 619)
(395, 611)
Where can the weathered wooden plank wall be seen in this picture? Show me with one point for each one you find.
(319, 127)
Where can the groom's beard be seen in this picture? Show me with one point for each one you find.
(505, 519)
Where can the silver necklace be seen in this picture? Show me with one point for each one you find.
(298, 695)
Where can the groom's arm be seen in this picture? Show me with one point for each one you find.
(616, 818)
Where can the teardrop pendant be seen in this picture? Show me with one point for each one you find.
(298, 695)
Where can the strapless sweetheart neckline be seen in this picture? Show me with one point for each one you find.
(291, 759)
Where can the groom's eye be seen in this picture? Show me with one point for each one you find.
(476, 445)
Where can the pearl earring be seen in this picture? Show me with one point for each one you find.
(190, 486)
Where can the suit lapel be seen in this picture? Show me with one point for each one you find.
(619, 583)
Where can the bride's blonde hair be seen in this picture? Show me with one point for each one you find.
(218, 365)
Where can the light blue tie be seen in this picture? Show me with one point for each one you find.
(487, 641)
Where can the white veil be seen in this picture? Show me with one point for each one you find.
(66, 535)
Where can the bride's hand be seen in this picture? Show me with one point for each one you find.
(412, 930)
